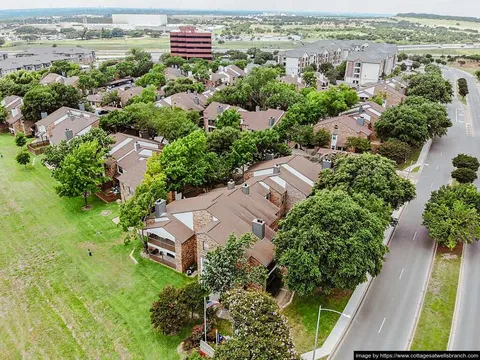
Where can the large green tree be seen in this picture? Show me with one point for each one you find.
(49, 99)
(261, 331)
(431, 86)
(172, 123)
(332, 240)
(227, 267)
(464, 175)
(334, 100)
(368, 174)
(185, 162)
(3, 114)
(395, 150)
(452, 215)
(221, 140)
(81, 171)
(230, 118)
(436, 115)
(403, 123)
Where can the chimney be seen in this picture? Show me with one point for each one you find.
(14, 112)
(81, 106)
(257, 108)
(160, 207)
(43, 115)
(361, 110)
(136, 146)
(219, 109)
(246, 189)
(360, 121)
(158, 97)
(64, 74)
(271, 121)
(68, 134)
(196, 101)
(258, 228)
(178, 195)
(326, 164)
(231, 184)
(269, 156)
(276, 169)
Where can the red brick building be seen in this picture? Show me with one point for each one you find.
(188, 43)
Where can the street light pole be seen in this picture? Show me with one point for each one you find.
(316, 332)
(318, 325)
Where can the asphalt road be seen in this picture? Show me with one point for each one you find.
(387, 316)
(467, 333)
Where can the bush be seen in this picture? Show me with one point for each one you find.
(466, 161)
(464, 175)
(395, 150)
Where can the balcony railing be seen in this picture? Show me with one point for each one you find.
(163, 260)
(164, 244)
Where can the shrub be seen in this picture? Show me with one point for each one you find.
(466, 161)
(464, 175)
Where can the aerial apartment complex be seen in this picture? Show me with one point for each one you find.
(366, 61)
(188, 43)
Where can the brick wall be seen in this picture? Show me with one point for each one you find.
(186, 253)
(278, 200)
(201, 240)
(293, 196)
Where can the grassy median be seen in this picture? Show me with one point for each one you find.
(433, 328)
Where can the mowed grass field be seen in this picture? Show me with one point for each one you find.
(56, 302)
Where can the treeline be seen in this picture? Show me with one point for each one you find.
(439, 17)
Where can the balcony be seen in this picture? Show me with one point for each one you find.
(163, 243)
(162, 259)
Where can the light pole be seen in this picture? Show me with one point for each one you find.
(318, 325)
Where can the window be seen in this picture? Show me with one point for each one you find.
(358, 64)
(170, 255)
(120, 170)
(205, 245)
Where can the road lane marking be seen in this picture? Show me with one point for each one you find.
(400, 277)
(414, 236)
(431, 185)
(436, 168)
(381, 326)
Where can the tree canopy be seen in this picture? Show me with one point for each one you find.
(81, 171)
(452, 215)
(261, 331)
(229, 117)
(331, 240)
(466, 161)
(227, 267)
(404, 123)
(49, 99)
(368, 174)
(431, 86)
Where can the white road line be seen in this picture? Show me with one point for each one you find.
(431, 185)
(381, 326)
(436, 168)
(400, 277)
(441, 153)
(414, 236)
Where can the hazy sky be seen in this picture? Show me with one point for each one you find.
(450, 7)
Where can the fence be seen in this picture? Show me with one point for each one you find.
(37, 148)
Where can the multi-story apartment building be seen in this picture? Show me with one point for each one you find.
(42, 58)
(378, 58)
(188, 43)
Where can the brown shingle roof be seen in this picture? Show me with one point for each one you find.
(260, 120)
(212, 110)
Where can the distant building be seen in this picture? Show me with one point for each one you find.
(42, 58)
(140, 19)
(188, 43)
(366, 61)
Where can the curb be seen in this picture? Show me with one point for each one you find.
(422, 299)
(458, 298)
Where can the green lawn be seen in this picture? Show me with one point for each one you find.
(433, 328)
(411, 160)
(302, 316)
(57, 302)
